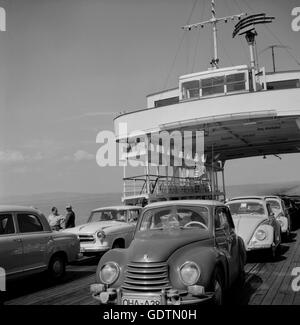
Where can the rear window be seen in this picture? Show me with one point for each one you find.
(250, 207)
(274, 204)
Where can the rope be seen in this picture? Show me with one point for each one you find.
(179, 47)
(198, 38)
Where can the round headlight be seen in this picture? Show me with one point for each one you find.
(101, 234)
(260, 234)
(109, 273)
(189, 273)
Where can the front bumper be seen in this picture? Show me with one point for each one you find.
(93, 249)
(169, 297)
(258, 247)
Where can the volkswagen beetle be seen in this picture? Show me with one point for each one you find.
(183, 252)
(255, 223)
(106, 228)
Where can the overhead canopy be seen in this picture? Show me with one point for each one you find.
(233, 139)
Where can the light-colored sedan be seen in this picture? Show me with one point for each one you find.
(255, 223)
(28, 245)
(107, 228)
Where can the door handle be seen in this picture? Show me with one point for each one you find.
(17, 240)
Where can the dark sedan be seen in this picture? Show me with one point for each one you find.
(183, 252)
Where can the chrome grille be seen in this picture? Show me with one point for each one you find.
(86, 238)
(146, 277)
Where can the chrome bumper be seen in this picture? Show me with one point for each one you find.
(111, 296)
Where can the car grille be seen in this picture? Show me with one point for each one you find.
(86, 238)
(146, 277)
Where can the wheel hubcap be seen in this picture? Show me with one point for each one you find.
(57, 267)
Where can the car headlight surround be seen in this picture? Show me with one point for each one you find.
(189, 273)
(101, 234)
(109, 273)
(260, 234)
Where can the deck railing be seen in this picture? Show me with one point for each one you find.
(165, 185)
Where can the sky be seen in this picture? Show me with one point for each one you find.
(68, 66)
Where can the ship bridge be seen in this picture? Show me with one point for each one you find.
(237, 122)
(240, 111)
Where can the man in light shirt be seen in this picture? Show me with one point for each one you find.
(55, 220)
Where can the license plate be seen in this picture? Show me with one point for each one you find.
(141, 300)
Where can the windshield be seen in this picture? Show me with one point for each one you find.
(246, 207)
(109, 214)
(175, 217)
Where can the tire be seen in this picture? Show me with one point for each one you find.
(242, 274)
(217, 286)
(57, 267)
(274, 252)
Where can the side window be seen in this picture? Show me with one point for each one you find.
(6, 224)
(29, 223)
(220, 218)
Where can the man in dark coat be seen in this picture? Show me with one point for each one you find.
(70, 217)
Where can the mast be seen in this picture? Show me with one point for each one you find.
(272, 47)
(213, 22)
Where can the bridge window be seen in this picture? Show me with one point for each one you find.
(214, 85)
(236, 82)
(283, 84)
(190, 89)
(166, 101)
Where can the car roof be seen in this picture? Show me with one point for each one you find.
(272, 197)
(240, 198)
(118, 207)
(17, 208)
(184, 202)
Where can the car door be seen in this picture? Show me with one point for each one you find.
(11, 248)
(226, 239)
(35, 241)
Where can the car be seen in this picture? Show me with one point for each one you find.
(292, 209)
(107, 228)
(28, 245)
(281, 214)
(256, 224)
(183, 252)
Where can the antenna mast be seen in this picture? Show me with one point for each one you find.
(273, 52)
(213, 22)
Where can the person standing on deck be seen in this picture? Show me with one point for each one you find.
(55, 220)
(70, 217)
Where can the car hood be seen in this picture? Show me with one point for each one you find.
(93, 227)
(245, 225)
(159, 245)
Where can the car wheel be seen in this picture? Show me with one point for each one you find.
(275, 251)
(242, 274)
(57, 267)
(218, 288)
